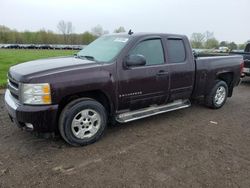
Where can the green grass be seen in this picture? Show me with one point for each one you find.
(10, 57)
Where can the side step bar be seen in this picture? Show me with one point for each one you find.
(153, 110)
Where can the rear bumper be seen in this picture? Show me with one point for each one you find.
(246, 74)
(43, 118)
(246, 71)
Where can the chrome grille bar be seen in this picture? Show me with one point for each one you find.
(13, 87)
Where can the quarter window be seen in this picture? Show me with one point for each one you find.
(152, 50)
(176, 51)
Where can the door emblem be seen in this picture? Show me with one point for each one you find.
(130, 94)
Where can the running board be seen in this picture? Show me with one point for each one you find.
(153, 110)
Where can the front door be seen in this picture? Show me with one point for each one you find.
(146, 85)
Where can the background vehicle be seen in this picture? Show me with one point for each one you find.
(120, 77)
(222, 49)
(246, 57)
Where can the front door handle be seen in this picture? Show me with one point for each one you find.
(162, 73)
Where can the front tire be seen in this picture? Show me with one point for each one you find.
(217, 96)
(82, 122)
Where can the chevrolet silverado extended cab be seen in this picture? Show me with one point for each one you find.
(121, 77)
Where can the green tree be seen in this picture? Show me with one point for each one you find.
(16, 37)
(87, 37)
(232, 46)
(44, 36)
(209, 35)
(4, 34)
(211, 43)
(27, 37)
(241, 46)
(66, 28)
(224, 43)
(197, 40)
(121, 29)
(97, 31)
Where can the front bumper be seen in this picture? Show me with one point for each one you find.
(43, 118)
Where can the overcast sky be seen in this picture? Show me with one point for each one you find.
(228, 19)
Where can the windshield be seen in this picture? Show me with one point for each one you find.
(104, 49)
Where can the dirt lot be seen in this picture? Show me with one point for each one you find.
(196, 147)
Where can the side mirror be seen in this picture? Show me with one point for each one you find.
(135, 60)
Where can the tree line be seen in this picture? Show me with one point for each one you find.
(208, 41)
(66, 35)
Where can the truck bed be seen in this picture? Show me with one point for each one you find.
(207, 69)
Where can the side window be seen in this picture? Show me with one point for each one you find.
(176, 51)
(152, 50)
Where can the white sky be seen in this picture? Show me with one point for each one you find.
(228, 19)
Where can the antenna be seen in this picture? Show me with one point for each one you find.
(130, 32)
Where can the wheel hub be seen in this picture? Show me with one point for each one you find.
(220, 95)
(86, 123)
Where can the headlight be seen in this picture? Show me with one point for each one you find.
(35, 94)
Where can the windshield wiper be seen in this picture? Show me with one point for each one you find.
(88, 57)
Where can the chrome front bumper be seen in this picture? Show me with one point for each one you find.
(10, 103)
(42, 118)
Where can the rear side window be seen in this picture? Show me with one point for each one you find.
(176, 51)
(152, 50)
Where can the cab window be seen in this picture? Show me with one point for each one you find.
(176, 51)
(152, 51)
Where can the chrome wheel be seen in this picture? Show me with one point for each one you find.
(220, 95)
(86, 124)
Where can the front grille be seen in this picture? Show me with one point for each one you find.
(13, 86)
(14, 83)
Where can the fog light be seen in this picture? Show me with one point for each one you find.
(29, 125)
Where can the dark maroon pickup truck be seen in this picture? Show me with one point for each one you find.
(120, 77)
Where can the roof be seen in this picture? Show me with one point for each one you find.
(142, 34)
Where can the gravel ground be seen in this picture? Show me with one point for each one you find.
(194, 147)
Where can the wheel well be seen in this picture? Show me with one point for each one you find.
(228, 78)
(96, 95)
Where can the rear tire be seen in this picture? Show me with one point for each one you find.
(82, 122)
(217, 96)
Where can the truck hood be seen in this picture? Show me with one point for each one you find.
(48, 66)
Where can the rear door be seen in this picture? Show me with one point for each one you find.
(144, 85)
(181, 67)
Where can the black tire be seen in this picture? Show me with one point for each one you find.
(69, 113)
(210, 99)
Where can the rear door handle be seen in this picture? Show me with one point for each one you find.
(162, 73)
